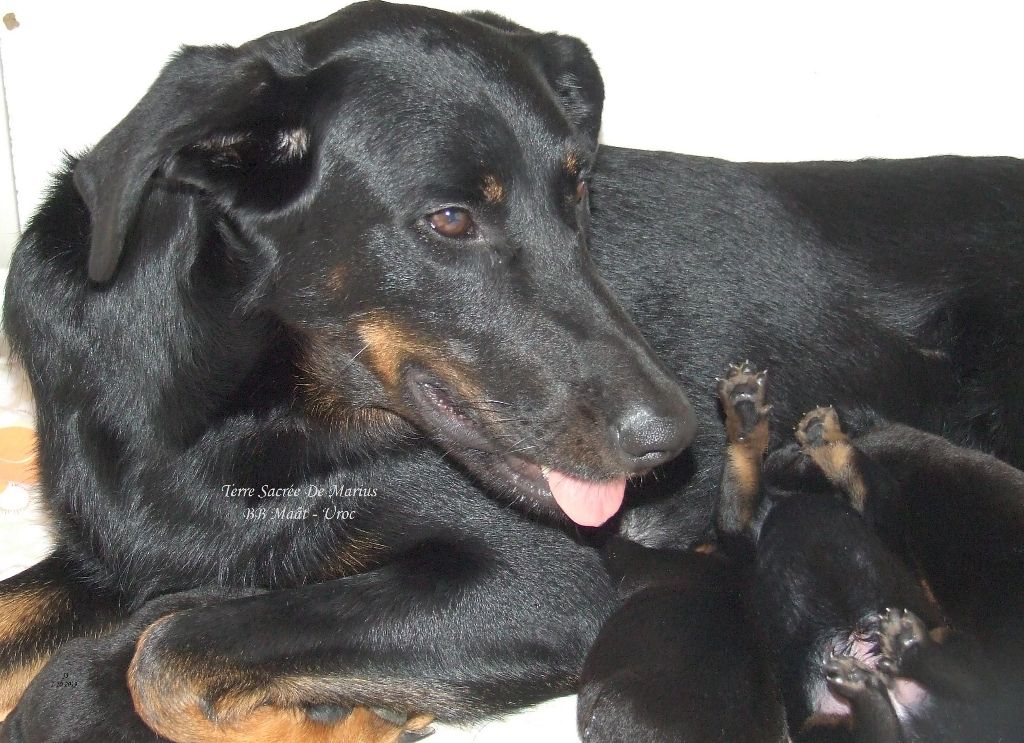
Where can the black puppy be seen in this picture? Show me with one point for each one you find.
(849, 667)
(680, 661)
(795, 617)
(323, 307)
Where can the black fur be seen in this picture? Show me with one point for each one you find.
(240, 286)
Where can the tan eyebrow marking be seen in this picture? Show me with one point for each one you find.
(572, 164)
(336, 278)
(494, 191)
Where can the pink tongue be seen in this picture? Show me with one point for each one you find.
(587, 503)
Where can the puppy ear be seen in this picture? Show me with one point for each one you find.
(210, 117)
(574, 77)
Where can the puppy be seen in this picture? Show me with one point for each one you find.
(823, 597)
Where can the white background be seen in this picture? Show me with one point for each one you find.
(741, 80)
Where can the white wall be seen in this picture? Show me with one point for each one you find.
(743, 80)
(9, 222)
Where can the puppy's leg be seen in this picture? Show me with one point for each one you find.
(940, 660)
(961, 513)
(80, 693)
(40, 609)
(955, 514)
(822, 438)
(958, 515)
(742, 395)
(865, 688)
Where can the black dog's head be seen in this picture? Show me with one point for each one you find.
(414, 185)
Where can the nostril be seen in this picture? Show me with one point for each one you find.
(649, 439)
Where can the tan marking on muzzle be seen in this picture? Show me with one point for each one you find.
(390, 347)
(323, 400)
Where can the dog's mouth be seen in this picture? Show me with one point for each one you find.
(585, 502)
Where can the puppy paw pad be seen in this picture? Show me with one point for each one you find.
(742, 392)
(849, 677)
(820, 427)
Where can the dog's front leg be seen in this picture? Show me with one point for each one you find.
(82, 695)
(448, 630)
(40, 609)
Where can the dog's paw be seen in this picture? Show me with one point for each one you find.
(849, 677)
(896, 631)
(742, 392)
(411, 736)
(821, 437)
(820, 427)
(414, 727)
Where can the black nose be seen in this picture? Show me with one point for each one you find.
(647, 437)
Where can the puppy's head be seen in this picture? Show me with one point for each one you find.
(416, 184)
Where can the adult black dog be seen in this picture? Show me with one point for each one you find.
(353, 268)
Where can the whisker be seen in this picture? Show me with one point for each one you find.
(516, 447)
(354, 357)
(488, 401)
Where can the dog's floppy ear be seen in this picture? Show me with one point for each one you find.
(568, 66)
(573, 75)
(210, 110)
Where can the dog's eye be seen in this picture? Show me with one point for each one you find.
(581, 191)
(451, 222)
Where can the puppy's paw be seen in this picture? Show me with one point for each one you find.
(849, 677)
(821, 437)
(743, 395)
(820, 427)
(897, 631)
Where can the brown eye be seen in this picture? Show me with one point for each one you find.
(581, 191)
(451, 222)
